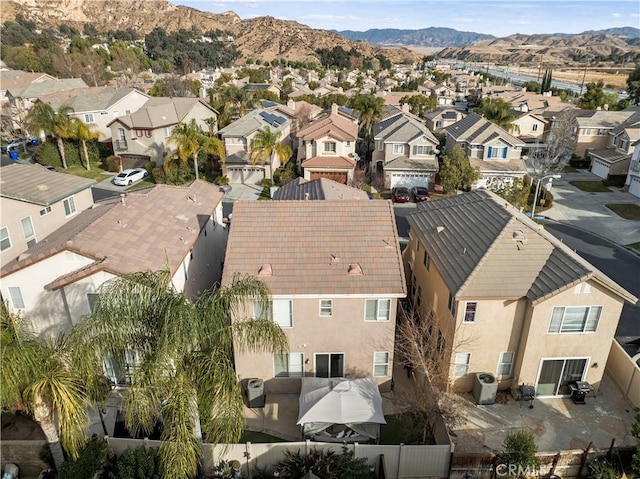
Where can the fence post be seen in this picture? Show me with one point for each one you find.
(583, 460)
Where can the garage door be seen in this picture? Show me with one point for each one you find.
(600, 169)
(410, 180)
(634, 186)
(330, 175)
(249, 176)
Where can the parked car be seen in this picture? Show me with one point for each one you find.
(11, 145)
(401, 194)
(130, 176)
(420, 193)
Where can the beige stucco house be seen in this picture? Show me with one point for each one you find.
(615, 159)
(34, 203)
(592, 129)
(179, 228)
(508, 298)
(335, 275)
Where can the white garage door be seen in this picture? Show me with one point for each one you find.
(249, 176)
(410, 180)
(600, 169)
(634, 186)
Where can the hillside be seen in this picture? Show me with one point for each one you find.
(263, 37)
(425, 37)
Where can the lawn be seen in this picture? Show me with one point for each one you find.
(635, 246)
(591, 186)
(627, 211)
(95, 173)
(569, 169)
(265, 194)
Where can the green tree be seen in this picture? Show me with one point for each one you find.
(265, 145)
(633, 85)
(190, 140)
(594, 97)
(497, 111)
(635, 430)
(519, 450)
(185, 378)
(84, 131)
(516, 193)
(418, 104)
(43, 119)
(456, 172)
(370, 108)
(42, 382)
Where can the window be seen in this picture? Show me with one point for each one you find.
(16, 297)
(461, 365)
(579, 319)
(602, 131)
(45, 211)
(69, 206)
(88, 117)
(586, 131)
(92, 298)
(28, 232)
(439, 124)
(505, 364)
(582, 288)
(147, 133)
(329, 365)
(279, 311)
(398, 149)
(288, 365)
(495, 152)
(470, 312)
(121, 134)
(329, 146)
(534, 127)
(127, 112)
(326, 307)
(422, 150)
(379, 145)
(452, 305)
(5, 241)
(139, 133)
(380, 364)
(377, 309)
(426, 261)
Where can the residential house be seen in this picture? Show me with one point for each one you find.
(254, 87)
(22, 98)
(237, 138)
(17, 79)
(177, 228)
(632, 183)
(143, 135)
(443, 94)
(405, 150)
(616, 158)
(336, 267)
(506, 297)
(34, 203)
(592, 129)
(318, 189)
(327, 147)
(441, 117)
(496, 153)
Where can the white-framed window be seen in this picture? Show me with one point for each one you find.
(586, 131)
(5, 241)
(88, 117)
(326, 307)
(16, 297)
(398, 149)
(329, 146)
(575, 319)
(280, 311)
(602, 131)
(452, 304)
(377, 309)
(379, 145)
(461, 365)
(121, 134)
(419, 150)
(470, 309)
(28, 231)
(505, 364)
(426, 260)
(69, 206)
(380, 364)
(288, 365)
(45, 211)
(497, 152)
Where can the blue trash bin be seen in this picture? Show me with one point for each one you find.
(35, 142)
(13, 154)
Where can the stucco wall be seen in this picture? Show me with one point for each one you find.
(625, 372)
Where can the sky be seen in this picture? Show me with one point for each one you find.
(495, 17)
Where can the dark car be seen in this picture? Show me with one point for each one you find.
(401, 194)
(420, 193)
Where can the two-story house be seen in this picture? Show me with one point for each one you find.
(237, 138)
(143, 135)
(164, 227)
(326, 147)
(405, 150)
(34, 203)
(335, 278)
(495, 152)
(616, 158)
(443, 94)
(632, 182)
(441, 117)
(592, 129)
(508, 298)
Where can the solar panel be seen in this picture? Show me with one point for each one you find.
(273, 120)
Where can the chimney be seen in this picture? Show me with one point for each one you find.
(406, 107)
(122, 195)
(291, 104)
(334, 109)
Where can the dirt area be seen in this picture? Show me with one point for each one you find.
(18, 427)
(616, 80)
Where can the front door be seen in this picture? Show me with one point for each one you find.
(329, 365)
(556, 374)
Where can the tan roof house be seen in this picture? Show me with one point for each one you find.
(592, 130)
(507, 298)
(35, 202)
(179, 228)
(335, 279)
(318, 189)
(15, 79)
(616, 158)
(441, 117)
(494, 151)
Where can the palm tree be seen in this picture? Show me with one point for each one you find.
(39, 378)
(83, 132)
(43, 119)
(184, 377)
(497, 111)
(370, 108)
(265, 145)
(190, 140)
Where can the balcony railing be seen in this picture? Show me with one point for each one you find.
(120, 145)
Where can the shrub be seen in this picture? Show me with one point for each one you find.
(221, 180)
(139, 463)
(266, 183)
(91, 460)
(326, 464)
(603, 468)
(615, 180)
(519, 450)
(112, 163)
(150, 166)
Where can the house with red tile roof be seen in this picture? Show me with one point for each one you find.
(56, 281)
(335, 274)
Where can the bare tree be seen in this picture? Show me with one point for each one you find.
(558, 146)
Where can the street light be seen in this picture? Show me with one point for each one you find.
(535, 198)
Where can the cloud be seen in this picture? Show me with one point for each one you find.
(616, 15)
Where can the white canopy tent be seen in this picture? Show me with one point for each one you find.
(355, 403)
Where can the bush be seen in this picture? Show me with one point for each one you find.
(266, 183)
(112, 163)
(139, 463)
(519, 450)
(603, 468)
(91, 460)
(150, 166)
(615, 180)
(221, 180)
(326, 464)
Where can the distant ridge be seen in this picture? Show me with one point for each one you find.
(426, 37)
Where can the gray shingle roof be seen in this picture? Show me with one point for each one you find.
(35, 184)
(98, 101)
(38, 89)
(318, 189)
(251, 122)
(402, 128)
(475, 129)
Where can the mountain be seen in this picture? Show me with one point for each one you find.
(425, 37)
(630, 32)
(262, 37)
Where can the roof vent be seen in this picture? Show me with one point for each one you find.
(440, 229)
(265, 270)
(354, 269)
(335, 259)
(42, 187)
(519, 235)
(122, 195)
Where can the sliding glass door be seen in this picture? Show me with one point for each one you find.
(330, 365)
(556, 374)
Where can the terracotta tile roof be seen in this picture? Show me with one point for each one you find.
(329, 162)
(310, 245)
(333, 125)
(318, 189)
(154, 228)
